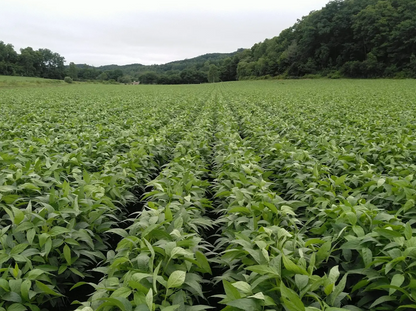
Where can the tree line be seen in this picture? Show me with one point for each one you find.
(31, 63)
(349, 38)
(346, 38)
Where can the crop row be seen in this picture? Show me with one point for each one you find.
(160, 260)
(63, 185)
(361, 220)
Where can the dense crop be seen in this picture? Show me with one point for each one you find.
(291, 196)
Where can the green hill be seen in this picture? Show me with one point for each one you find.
(355, 38)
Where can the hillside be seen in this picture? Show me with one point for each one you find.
(354, 38)
(175, 65)
(187, 71)
(346, 38)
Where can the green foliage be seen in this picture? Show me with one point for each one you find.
(284, 195)
(68, 79)
(41, 63)
(213, 74)
(362, 39)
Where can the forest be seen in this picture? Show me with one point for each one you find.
(346, 38)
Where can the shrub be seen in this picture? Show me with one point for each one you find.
(334, 75)
(312, 76)
(68, 79)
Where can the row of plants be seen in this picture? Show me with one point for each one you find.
(62, 190)
(261, 236)
(362, 220)
(161, 259)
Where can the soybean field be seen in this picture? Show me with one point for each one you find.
(259, 195)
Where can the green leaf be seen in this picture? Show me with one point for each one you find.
(77, 272)
(333, 274)
(230, 291)
(407, 307)
(389, 234)
(338, 289)
(25, 288)
(121, 232)
(12, 297)
(240, 209)
(48, 246)
(203, 262)
(380, 182)
(18, 215)
(408, 232)
(314, 241)
(352, 217)
(16, 307)
(18, 249)
(155, 274)
(168, 213)
(292, 267)
(301, 281)
(30, 235)
(340, 180)
(409, 204)
(397, 280)
(329, 288)
(272, 207)
(123, 292)
(262, 270)
(67, 254)
(44, 288)
(178, 251)
(170, 308)
(5, 189)
(323, 252)
(290, 299)
(244, 287)
(24, 226)
(244, 304)
(381, 300)
(4, 285)
(149, 299)
(176, 279)
(367, 257)
(259, 296)
(352, 244)
(122, 303)
(58, 231)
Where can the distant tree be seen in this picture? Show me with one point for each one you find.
(228, 69)
(30, 62)
(52, 64)
(73, 71)
(8, 59)
(149, 78)
(126, 79)
(245, 70)
(103, 76)
(114, 74)
(213, 74)
(88, 73)
(193, 76)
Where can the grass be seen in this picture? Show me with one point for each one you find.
(14, 81)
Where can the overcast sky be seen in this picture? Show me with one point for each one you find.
(147, 32)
